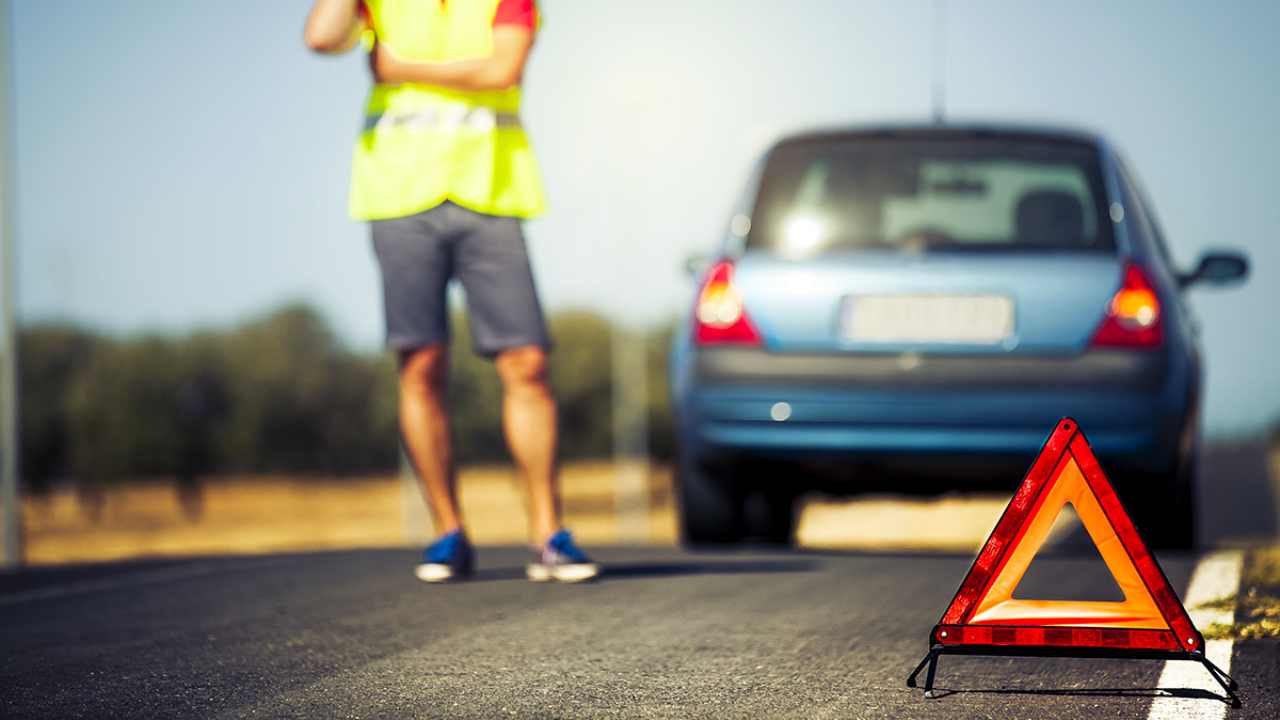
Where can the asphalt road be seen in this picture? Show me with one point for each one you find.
(664, 634)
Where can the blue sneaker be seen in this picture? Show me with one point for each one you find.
(448, 558)
(561, 560)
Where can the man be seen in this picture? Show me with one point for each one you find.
(444, 173)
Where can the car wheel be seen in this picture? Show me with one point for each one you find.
(770, 517)
(1164, 508)
(710, 507)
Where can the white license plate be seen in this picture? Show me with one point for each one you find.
(958, 319)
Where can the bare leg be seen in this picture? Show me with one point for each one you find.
(529, 421)
(424, 427)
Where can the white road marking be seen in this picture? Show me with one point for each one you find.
(128, 580)
(1217, 575)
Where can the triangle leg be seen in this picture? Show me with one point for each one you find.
(911, 679)
(931, 661)
(928, 678)
(1229, 686)
(1215, 670)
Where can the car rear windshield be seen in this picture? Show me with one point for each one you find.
(822, 196)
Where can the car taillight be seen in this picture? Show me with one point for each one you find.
(719, 316)
(1133, 318)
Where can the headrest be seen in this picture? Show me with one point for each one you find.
(1050, 218)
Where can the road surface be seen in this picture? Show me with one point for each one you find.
(665, 634)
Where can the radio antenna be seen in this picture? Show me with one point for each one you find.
(938, 62)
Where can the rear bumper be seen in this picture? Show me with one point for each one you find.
(1092, 370)
(1131, 406)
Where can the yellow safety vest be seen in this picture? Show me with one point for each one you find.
(422, 145)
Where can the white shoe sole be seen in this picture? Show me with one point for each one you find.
(578, 572)
(433, 573)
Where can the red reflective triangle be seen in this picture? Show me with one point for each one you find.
(984, 611)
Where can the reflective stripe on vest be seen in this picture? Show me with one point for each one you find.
(421, 145)
(444, 118)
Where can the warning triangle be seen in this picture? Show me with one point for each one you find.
(984, 612)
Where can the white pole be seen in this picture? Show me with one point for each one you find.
(9, 495)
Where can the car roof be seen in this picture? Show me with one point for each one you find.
(957, 130)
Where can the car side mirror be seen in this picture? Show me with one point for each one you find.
(1217, 268)
(697, 264)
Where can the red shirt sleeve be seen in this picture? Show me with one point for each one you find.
(517, 12)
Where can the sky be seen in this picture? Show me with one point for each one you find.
(184, 163)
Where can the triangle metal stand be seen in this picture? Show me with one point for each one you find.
(1228, 685)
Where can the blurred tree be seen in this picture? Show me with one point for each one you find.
(201, 407)
(581, 374)
(661, 424)
(302, 403)
(49, 357)
(279, 367)
(280, 393)
(123, 414)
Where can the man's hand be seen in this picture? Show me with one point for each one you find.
(334, 26)
(501, 70)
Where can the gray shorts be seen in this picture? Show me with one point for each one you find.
(418, 256)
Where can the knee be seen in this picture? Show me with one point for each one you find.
(424, 370)
(524, 367)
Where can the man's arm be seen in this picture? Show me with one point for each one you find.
(502, 69)
(334, 26)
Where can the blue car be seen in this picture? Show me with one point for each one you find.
(912, 308)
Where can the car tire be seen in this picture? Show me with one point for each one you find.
(770, 517)
(1165, 510)
(710, 507)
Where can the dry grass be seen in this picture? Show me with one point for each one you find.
(1258, 605)
(951, 522)
(270, 514)
(603, 503)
